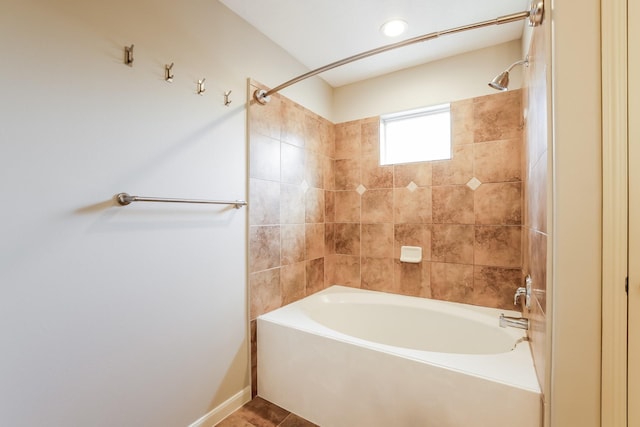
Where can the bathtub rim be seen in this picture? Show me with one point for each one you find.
(497, 367)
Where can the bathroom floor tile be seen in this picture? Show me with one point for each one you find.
(261, 413)
(295, 421)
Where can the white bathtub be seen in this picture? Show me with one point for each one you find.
(350, 357)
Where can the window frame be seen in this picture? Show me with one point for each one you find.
(407, 115)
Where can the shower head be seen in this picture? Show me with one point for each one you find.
(501, 81)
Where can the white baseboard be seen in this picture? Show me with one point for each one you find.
(224, 409)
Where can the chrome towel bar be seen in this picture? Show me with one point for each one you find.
(124, 199)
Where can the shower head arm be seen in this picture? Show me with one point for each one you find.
(524, 62)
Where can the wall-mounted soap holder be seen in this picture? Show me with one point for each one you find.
(411, 254)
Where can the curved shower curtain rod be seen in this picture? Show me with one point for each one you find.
(535, 15)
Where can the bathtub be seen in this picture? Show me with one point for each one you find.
(351, 357)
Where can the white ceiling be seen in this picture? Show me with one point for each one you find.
(319, 32)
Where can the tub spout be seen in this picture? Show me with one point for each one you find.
(514, 322)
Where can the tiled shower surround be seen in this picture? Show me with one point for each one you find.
(323, 212)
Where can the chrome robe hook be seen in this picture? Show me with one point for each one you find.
(168, 77)
(201, 88)
(128, 55)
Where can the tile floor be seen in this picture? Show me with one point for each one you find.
(261, 413)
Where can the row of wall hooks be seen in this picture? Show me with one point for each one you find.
(168, 75)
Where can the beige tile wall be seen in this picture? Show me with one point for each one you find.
(324, 212)
(471, 239)
(535, 231)
(291, 173)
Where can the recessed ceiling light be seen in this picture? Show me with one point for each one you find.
(394, 27)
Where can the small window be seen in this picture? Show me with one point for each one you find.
(416, 136)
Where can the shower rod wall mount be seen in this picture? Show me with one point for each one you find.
(535, 14)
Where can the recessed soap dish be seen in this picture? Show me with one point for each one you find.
(411, 254)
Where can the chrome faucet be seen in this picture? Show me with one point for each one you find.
(514, 322)
(520, 292)
(519, 322)
(524, 292)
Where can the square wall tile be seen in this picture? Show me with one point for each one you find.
(347, 206)
(345, 271)
(329, 238)
(537, 197)
(265, 202)
(377, 206)
(314, 169)
(538, 266)
(313, 129)
(264, 158)
(293, 282)
(376, 176)
(412, 206)
(347, 238)
(498, 116)
(377, 241)
(498, 161)
(264, 291)
(314, 205)
(292, 243)
(457, 171)
(348, 140)
(452, 243)
(329, 173)
(329, 206)
(292, 164)
(292, 204)
(314, 241)
(292, 128)
(315, 275)
(498, 204)
(452, 282)
(327, 138)
(498, 246)
(264, 247)
(495, 286)
(453, 204)
(347, 174)
(370, 142)
(412, 279)
(377, 274)
(462, 122)
(418, 173)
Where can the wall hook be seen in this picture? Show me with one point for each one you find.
(128, 55)
(168, 77)
(201, 88)
(227, 101)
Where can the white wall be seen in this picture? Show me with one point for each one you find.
(125, 316)
(450, 79)
(577, 223)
